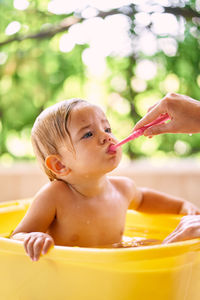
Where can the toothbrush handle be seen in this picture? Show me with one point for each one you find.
(132, 136)
(141, 130)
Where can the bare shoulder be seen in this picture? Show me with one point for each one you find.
(122, 180)
(52, 191)
(125, 185)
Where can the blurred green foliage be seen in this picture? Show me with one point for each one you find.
(35, 72)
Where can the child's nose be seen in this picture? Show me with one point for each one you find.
(104, 138)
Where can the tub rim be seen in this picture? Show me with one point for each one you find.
(106, 255)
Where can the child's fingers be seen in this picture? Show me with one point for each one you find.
(196, 211)
(29, 247)
(37, 247)
(37, 242)
(26, 240)
(192, 210)
(26, 244)
(47, 244)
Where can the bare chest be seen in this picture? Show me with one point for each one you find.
(90, 223)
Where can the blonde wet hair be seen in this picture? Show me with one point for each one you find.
(50, 130)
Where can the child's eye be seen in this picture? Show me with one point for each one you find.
(108, 130)
(87, 135)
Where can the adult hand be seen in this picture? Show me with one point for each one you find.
(36, 243)
(188, 228)
(184, 113)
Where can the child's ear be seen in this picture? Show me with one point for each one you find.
(54, 164)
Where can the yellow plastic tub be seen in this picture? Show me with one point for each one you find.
(160, 272)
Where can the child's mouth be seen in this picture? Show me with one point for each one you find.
(109, 150)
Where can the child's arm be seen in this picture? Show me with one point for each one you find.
(33, 226)
(156, 202)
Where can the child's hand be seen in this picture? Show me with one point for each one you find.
(189, 209)
(36, 243)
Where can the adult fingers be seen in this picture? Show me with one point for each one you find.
(152, 115)
(158, 129)
(176, 237)
(173, 233)
(189, 228)
(171, 236)
(184, 223)
(151, 107)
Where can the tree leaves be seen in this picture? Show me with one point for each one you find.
(34, 73)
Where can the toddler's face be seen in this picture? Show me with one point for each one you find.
(91, 137)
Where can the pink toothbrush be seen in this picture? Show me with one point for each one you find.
(161, 119)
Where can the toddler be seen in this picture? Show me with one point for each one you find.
(82, 205)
